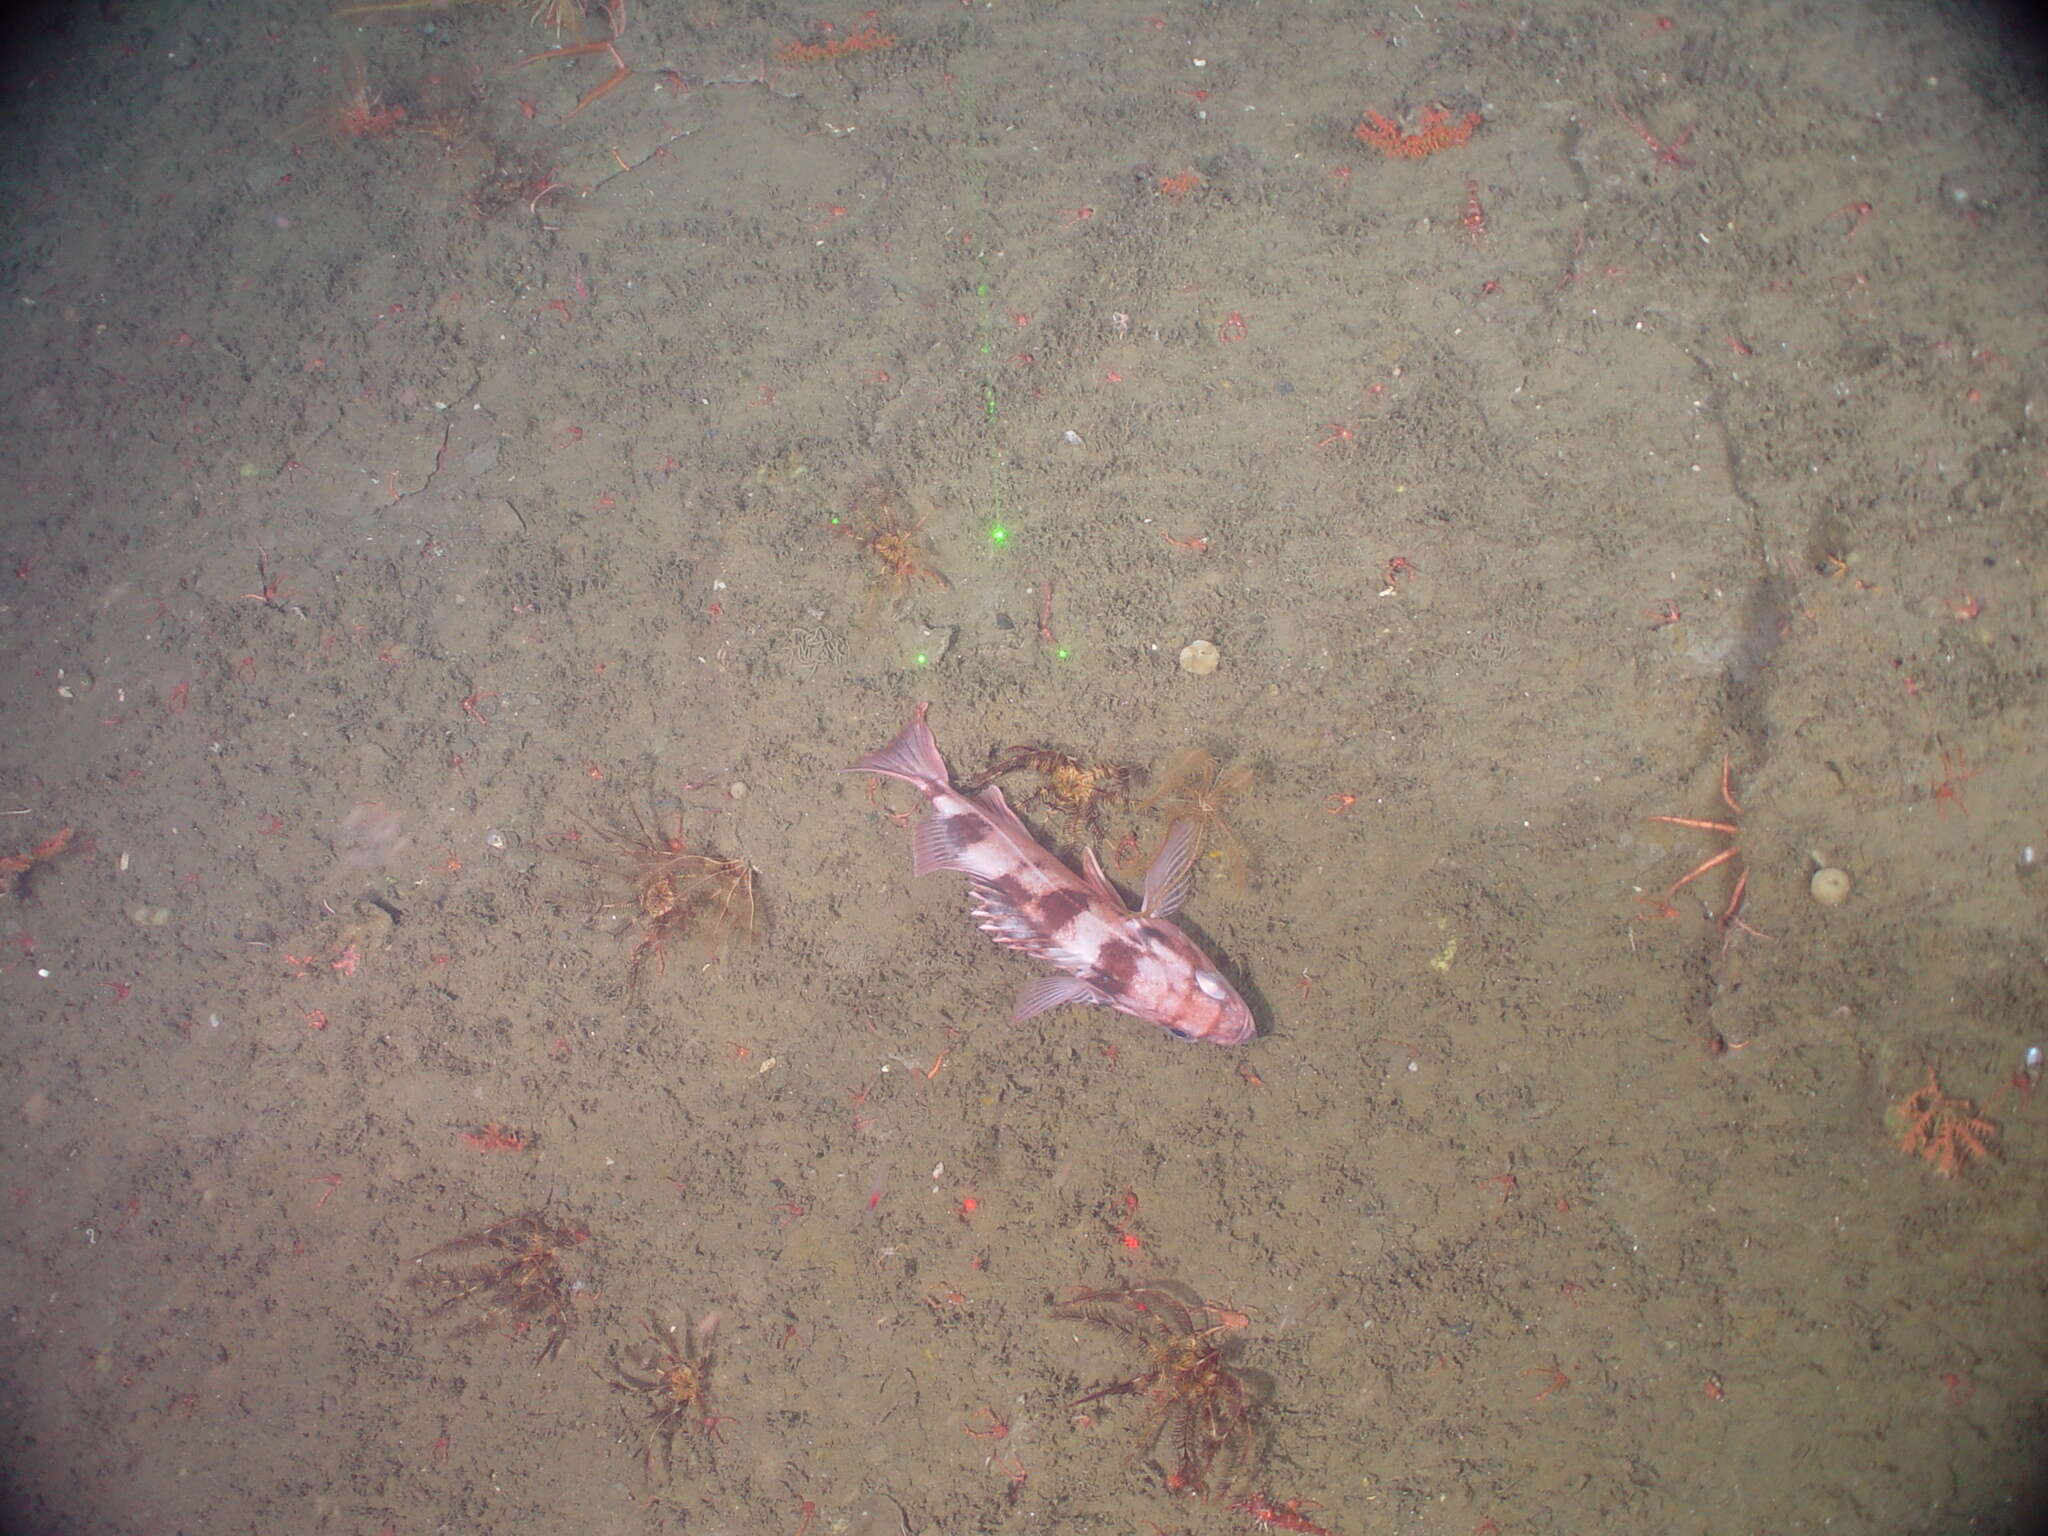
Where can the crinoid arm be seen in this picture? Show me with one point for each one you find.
(1114, 1389)
(1141, 1311)
(722, 891)
(1197, 1412)
(675, 895)
(372, 13)
(515, 1283)
(1194, 787)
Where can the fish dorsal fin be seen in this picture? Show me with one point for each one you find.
(1167, 881)
(1098, 882)
(991, 800)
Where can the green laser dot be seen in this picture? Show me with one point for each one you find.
(921, 659)
(998, 534)
(1062, 653)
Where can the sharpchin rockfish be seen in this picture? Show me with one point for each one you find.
(1135, 962)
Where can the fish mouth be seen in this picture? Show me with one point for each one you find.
(1238, 1030)
(1233, 1025)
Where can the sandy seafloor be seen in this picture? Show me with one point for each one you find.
(1550, 1210)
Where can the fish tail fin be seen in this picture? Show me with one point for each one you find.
(912, 757)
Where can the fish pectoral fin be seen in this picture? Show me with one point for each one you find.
(1051, 992)
(1173, 872)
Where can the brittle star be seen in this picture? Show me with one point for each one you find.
(1731, 915)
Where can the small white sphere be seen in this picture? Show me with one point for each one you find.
(1830, 887)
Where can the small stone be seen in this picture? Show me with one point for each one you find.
(1200, 658)
(736, 790)
(1830, 887)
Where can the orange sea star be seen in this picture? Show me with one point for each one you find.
(868, 39)
(1947, 1131)
(1439, 130)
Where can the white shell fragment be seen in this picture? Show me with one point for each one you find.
(1830, 886)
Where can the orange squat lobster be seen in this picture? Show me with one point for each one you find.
(22, 863)
(1281, 1517)
(361, 113)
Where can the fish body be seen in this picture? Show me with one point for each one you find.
(1138, 963)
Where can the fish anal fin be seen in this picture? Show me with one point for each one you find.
(935, 845)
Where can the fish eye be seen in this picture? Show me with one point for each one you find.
(1212, 985)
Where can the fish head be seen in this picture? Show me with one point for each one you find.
(1182, 991)
(1213, 1012)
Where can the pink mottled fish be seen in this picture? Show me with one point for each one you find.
(1135, 962)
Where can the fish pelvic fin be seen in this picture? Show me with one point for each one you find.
(1054, 992)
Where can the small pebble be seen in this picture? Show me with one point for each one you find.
(736, 790)
(1200, 658)
(1830, 887)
